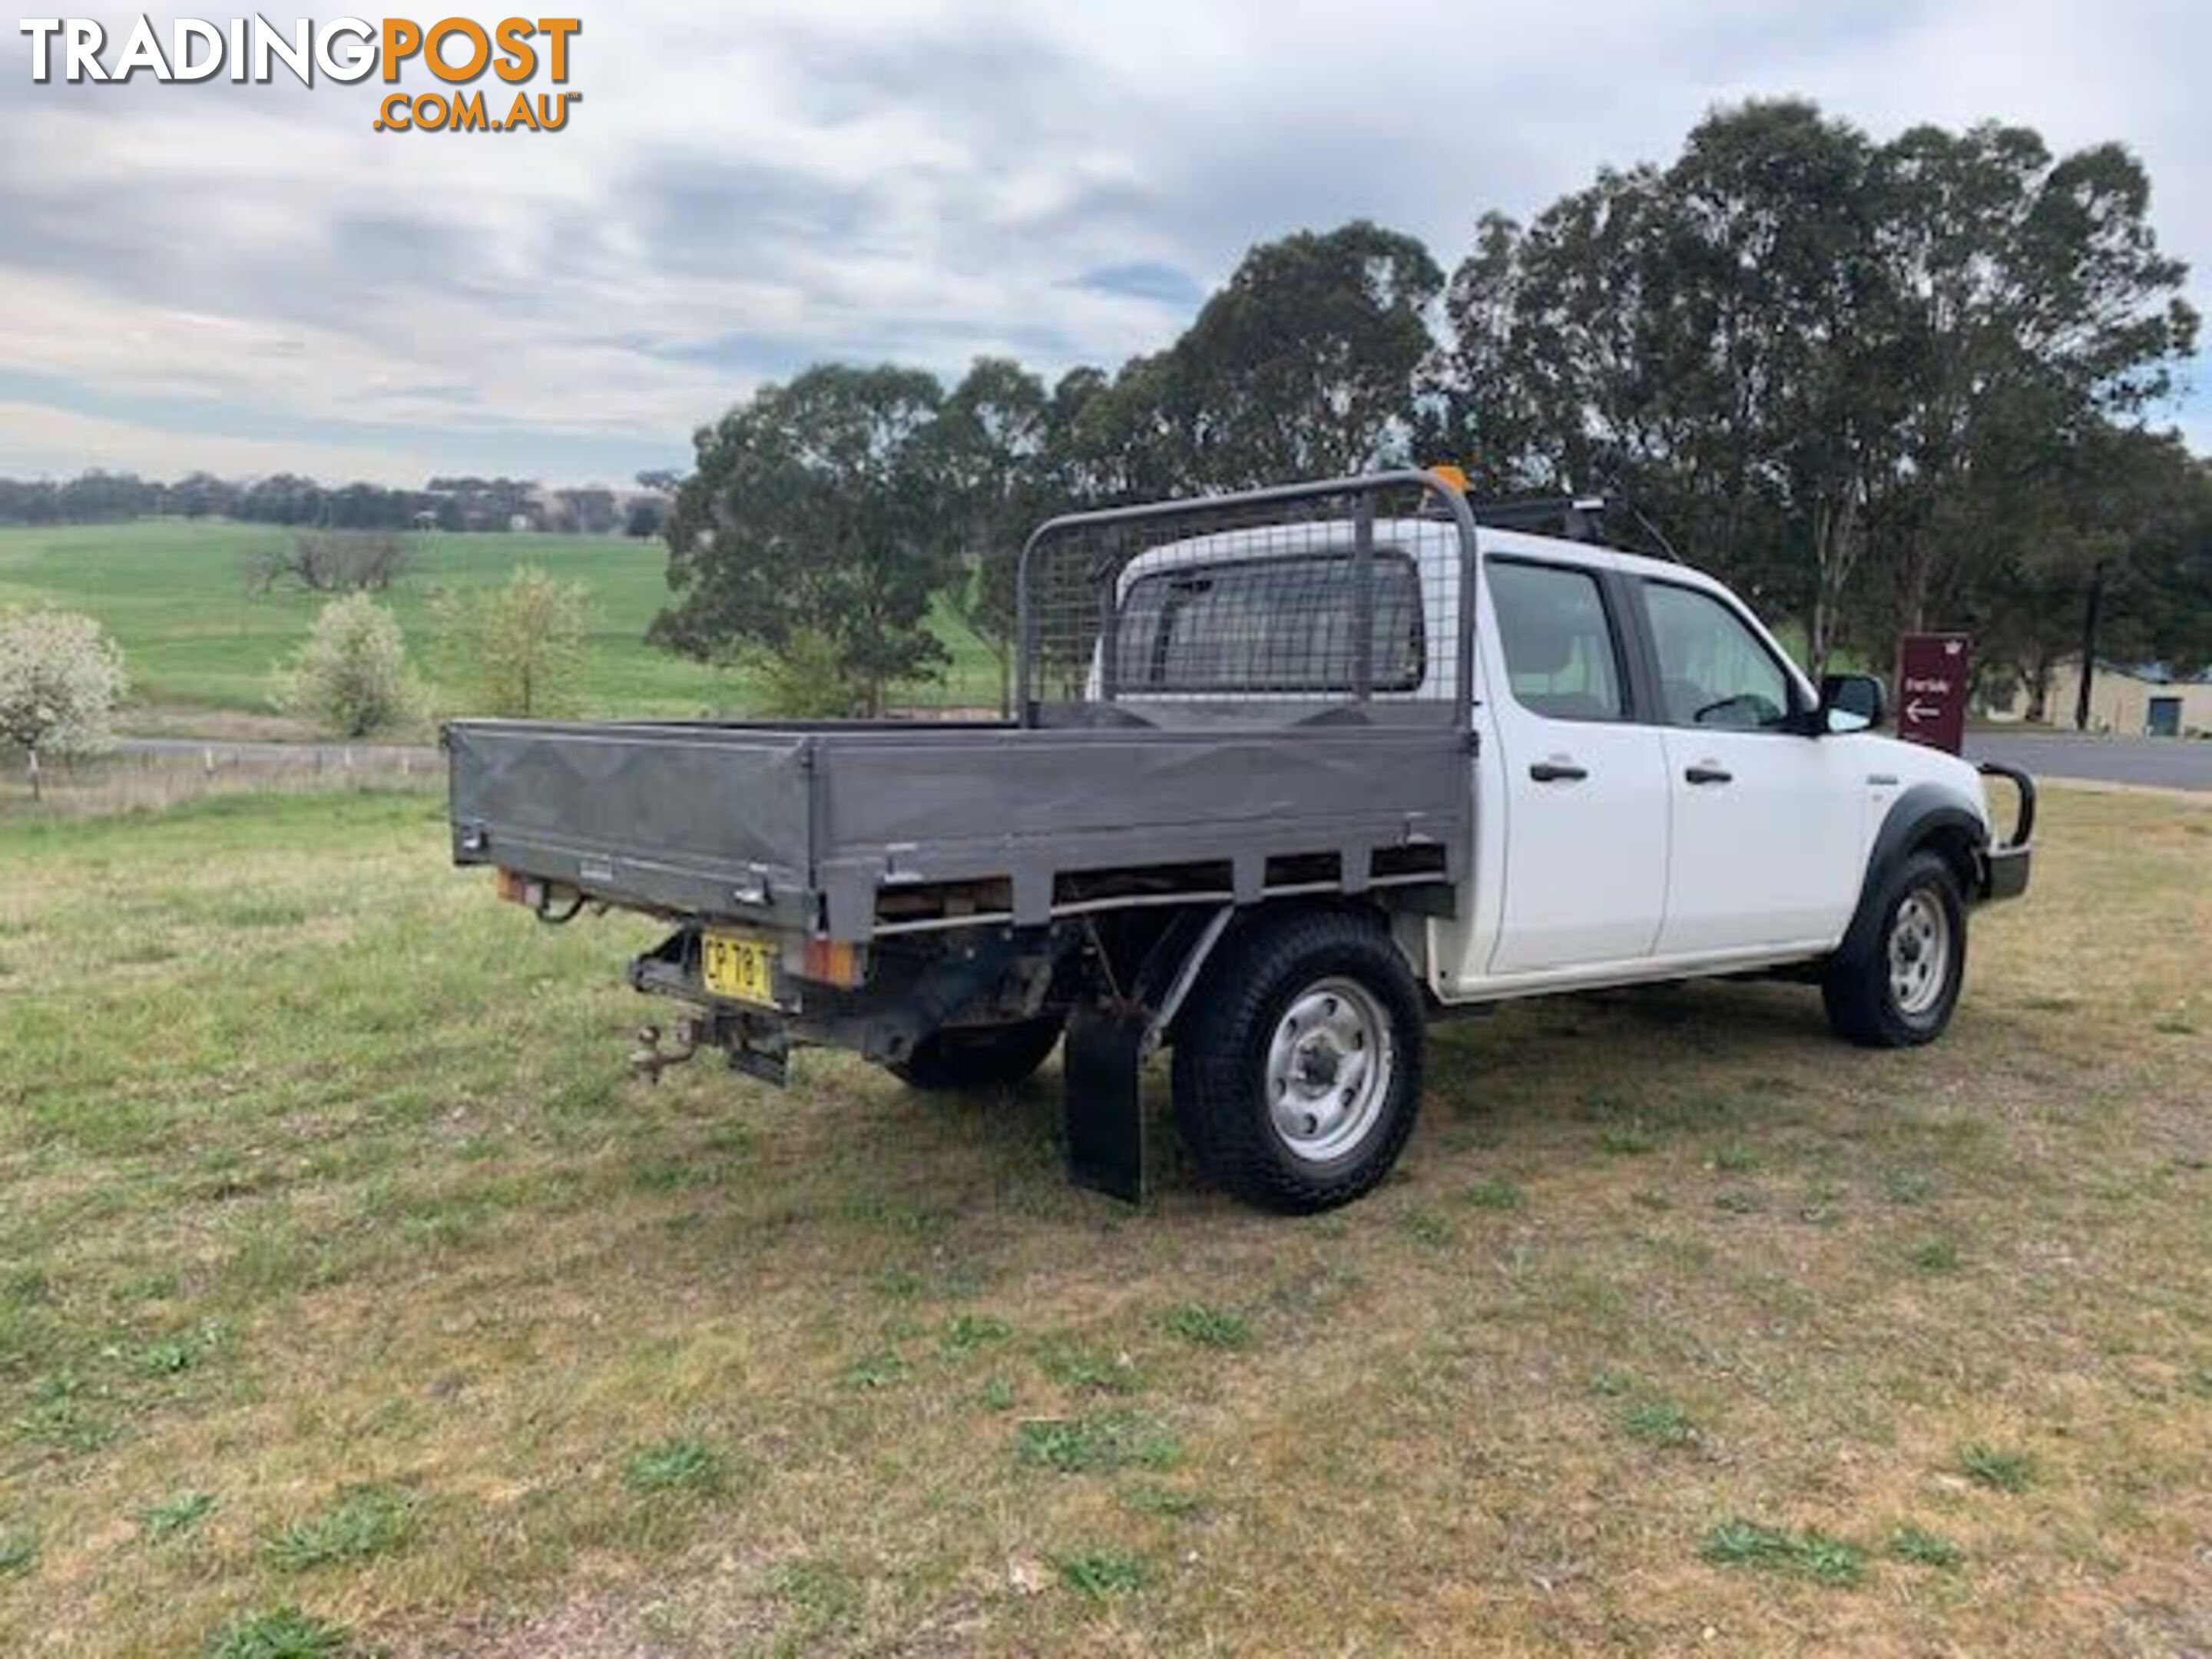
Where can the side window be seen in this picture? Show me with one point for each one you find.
(1560, 654)
(1713, 671)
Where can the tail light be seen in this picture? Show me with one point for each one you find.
(824, 962)
(535, 894)
(517, 889)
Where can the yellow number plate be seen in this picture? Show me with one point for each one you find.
(734, 966)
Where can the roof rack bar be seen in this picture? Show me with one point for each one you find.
(1592, 519)
(1575, 516)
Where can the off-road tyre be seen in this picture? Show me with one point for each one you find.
(961, 1059)
(1226, 1037)
(1880, 991)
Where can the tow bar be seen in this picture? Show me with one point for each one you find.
(650, 1060)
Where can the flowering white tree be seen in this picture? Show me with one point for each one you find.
(351, 677)
(60, 680)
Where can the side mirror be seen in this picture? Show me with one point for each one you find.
(1849, 702)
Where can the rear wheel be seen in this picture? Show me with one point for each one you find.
(977, 1056)
(1899, 987)
(1298, 1070)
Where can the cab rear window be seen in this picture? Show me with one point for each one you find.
(1273, 625)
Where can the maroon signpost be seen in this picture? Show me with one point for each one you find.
(1931, 689)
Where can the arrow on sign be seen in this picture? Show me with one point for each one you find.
(1920, 713)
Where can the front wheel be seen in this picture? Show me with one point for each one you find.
(1898, 988)
(1298, 1070)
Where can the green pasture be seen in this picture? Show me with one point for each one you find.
(174, 595)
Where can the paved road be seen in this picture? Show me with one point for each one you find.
(2168, 762)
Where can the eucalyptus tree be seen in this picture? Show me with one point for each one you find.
(809, 527)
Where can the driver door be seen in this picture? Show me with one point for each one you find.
(1767, 826)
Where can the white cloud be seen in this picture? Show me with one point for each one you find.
(54, 442)
(252, 270)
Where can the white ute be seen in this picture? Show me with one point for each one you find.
(1204, 831)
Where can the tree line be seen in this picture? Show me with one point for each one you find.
(1877, 387)
(453, 504)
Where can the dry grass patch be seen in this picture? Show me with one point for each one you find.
(323, 1178)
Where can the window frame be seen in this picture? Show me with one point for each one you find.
(1796, 710)
(1400, 686)
(1626, 679)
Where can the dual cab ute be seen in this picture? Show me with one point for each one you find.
(1291, 772)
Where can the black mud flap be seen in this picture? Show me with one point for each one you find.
(1102, 1115)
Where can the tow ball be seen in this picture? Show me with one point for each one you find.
(651, 1060)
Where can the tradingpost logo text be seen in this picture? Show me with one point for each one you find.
(457, 51)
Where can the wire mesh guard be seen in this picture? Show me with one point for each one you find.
(1279, 601)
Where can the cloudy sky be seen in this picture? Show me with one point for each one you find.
(250, 279)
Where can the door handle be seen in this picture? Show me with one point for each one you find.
(1706, 772)
(1557, 772)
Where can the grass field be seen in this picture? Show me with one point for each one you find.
(173, 593)
(352, 1299)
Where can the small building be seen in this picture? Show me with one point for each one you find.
(2139, 701)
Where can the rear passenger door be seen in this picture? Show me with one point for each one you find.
(1585, 833)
